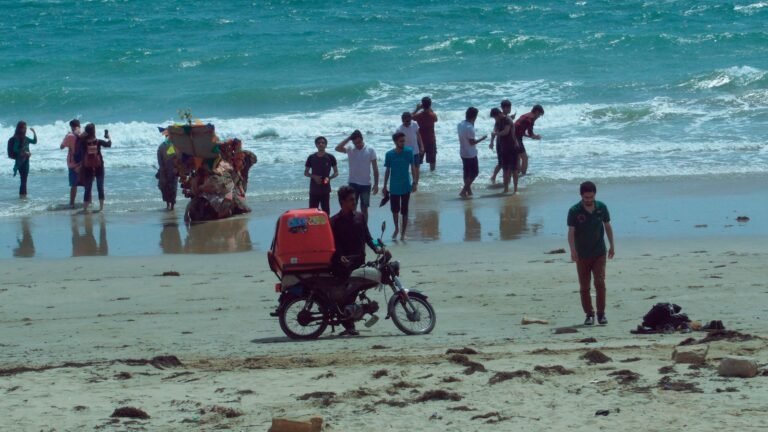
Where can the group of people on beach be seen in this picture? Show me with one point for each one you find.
(414, 141)
(85, 162)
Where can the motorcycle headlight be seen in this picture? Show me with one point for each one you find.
(395, 265)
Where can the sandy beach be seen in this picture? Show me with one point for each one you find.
(84, 336)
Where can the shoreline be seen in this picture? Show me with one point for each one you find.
(690, 207)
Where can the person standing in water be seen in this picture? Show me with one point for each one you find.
(410, 131)
(507, 147)
(524, 127)
(318, 168)
(167, 174)
(18, 149)
(70, 143)
(426, 119)
(468, 150)
(399, 163)
(506, 108)
(92, 163)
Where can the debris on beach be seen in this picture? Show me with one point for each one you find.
(737, 366)
(556, 251)
(325, 398)
(587, 340)
(438, 395)
(553, 370)
(380, 373)
(504, 376)
(742, 219)
(464, 350)
(313, 424)
(123, 375)
(666, 383)
(727, 335)
(130, 412)
(461, 408)
(565, 330)
(451, 379)
(625, 376)
(596, 357)
(471, 366)
(526, 321)
(171, 273)
(221, 410)
(690, 354)
(392, 403)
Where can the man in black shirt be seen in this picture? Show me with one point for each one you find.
(350, 233)
(318, 169)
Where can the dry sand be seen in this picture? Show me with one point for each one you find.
(78, 336)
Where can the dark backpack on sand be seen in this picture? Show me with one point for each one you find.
(11, 154)
(664, 315)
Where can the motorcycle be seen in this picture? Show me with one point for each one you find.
(310, 302)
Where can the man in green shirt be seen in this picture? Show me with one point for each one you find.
(588, 224)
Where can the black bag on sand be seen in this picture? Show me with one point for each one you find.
(665, 315)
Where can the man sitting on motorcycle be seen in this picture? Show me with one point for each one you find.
(350, 233)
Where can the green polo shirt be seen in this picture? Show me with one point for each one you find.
(590, 229)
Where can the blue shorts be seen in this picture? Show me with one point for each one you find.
(72, 177)
(362, 194)
(418, 159)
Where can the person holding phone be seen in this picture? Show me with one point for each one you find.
(92, 163)
(18, 149)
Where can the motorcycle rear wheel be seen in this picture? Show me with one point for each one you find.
(416, 317)
(302, 319)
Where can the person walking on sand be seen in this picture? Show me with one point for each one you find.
(506, 108)
(524, 127)
(318, 169)
(399, 163)
(362, 160)
(70, 143)
(426, 119)
(92, 163)
(18, 149)
(588, 224)
(468, 150)
(410, 130)
(507, 147)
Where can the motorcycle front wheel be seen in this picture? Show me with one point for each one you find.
(413, 317)
(301, 318)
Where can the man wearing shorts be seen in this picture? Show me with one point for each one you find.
(504, 131)
(318, 168)
(468, 150)
(399, 165)
(70, 143)
(588, 224)
(524, 127)
(362, 160)
(426, 119)
(410, 130)
(506, 108)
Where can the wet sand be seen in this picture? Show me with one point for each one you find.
(693, 207)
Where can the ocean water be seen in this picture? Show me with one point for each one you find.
(632, 89)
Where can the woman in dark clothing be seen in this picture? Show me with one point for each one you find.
(19, 146)
(92, 163)
(167, 175)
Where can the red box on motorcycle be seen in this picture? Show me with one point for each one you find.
(303, 241)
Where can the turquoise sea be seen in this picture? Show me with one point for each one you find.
(651, 89)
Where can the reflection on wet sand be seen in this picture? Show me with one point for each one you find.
(513, 219)
(170, 238)
(426, 223)
(26, 246)
(220, 236)
(85, 244)
(472, 228)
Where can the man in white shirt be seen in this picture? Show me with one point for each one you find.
(410, 129)
(362, 159)
(468, 150)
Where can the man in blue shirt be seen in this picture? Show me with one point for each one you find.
(397, 181)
